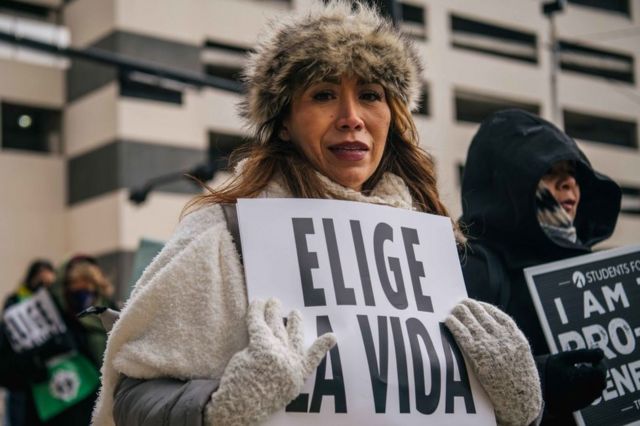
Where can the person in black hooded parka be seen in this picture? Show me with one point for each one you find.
(506, 211)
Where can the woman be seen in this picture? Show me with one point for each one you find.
(328, 101)
(530, 196)
(19, 371)
(84, 285)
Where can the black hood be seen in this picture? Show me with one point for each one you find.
(509, 154)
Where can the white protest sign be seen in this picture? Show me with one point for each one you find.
(32, 322)
(589, 301)
(383, 280)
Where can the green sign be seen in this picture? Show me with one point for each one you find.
(72, 377)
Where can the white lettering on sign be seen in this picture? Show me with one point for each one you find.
(32, 322)
(597, 313)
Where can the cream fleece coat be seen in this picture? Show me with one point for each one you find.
(186, 315)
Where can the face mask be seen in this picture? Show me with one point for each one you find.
(553, 219)
(81, 300)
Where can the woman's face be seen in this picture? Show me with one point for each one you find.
(81, 284)
(44, 278)
(341, 128)
(561, 182)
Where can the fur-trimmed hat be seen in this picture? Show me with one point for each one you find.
(327, 41)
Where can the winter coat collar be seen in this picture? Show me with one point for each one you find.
(390, 191)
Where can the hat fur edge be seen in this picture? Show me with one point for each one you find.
(327, 40)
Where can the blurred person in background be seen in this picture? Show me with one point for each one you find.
(83, 285)
(530, 196)
(329, 95)
(40, 274)
(80, 284)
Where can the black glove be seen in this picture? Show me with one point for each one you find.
(573, 379)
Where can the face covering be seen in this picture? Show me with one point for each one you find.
(80, 300)
(553, 219)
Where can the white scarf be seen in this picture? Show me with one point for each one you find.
(186, 315)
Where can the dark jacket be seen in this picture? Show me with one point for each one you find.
(509, 154)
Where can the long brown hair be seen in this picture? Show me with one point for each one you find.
(403, 157)
(90, 272)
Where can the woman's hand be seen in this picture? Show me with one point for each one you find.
(269, 373)
(501, 358)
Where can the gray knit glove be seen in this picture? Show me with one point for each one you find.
(269, 373)
(500, 356)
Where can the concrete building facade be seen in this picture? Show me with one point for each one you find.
(77, 136)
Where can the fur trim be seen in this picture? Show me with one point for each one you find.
(328, 41)
(185, 317)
